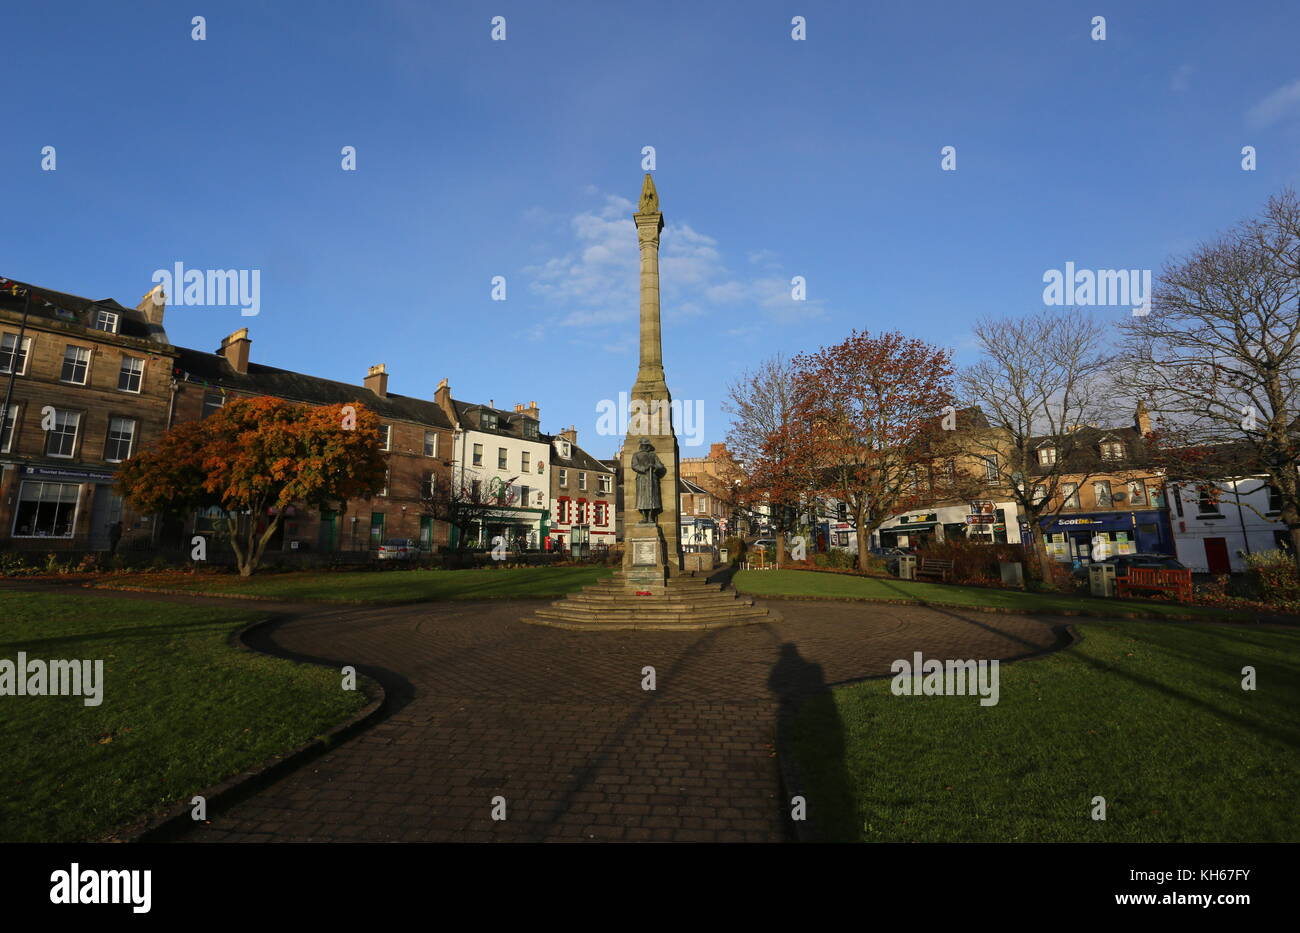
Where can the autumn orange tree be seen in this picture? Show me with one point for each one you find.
(870, 404)
(256, 457)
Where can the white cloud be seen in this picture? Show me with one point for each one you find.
(1277, 105)
(595, 283)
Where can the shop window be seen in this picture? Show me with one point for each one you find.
(45, 510)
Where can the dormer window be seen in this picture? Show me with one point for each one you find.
(530, 429)
(1112, 450)
(106, 321)
(565, 449)
(487, 421)
(1046, 456)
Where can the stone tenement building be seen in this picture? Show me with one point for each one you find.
(417, 434)
(92, 381)
(88, 382)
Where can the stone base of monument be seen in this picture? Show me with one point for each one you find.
(626, 601)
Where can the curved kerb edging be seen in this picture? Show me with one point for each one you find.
(176, 819)
(791, 780)
(1117, 614)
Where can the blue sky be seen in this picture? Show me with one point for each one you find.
(522, 158)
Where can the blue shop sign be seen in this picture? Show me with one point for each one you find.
(80, 476)
(1104, 521)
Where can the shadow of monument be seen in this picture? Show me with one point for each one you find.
(811, 747)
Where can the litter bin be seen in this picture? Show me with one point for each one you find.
(907, 567)
(1101, 579)
(722, 554)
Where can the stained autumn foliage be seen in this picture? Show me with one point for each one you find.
(869, 405)
(255, 457)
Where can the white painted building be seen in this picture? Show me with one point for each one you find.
(1213, 531)
(997, 523)
(503, 450)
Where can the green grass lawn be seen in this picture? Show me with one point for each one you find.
(182, 710)
(1149, 715)
(398, 586)
(845, 586)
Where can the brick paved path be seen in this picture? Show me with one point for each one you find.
(556, 722)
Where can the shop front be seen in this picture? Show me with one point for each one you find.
(914, 531)
(979, 522)
(1071, 538)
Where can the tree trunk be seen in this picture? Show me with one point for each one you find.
(1295, 547)
(862, 536)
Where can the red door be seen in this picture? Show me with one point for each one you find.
(1216, 555)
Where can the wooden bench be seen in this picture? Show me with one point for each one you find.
(1178, 582)
(934, 568)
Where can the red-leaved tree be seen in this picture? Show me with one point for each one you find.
(869, 405)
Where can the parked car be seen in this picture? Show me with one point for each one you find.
(399, 549)
(1122, 563)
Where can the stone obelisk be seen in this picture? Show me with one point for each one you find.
(652, 550)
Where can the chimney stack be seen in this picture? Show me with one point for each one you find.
(377, 380)
(152, 305)
(1142, 420)
(570, 434)
(235, 349)
(718, 452)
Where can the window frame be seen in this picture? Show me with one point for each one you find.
(76, 509)
(476, 455)
(7, 441)
(131, 441)
(431, 449)
(86, 371)
(123, 371)
(76, 434)
(100, 313)
(22, 350)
